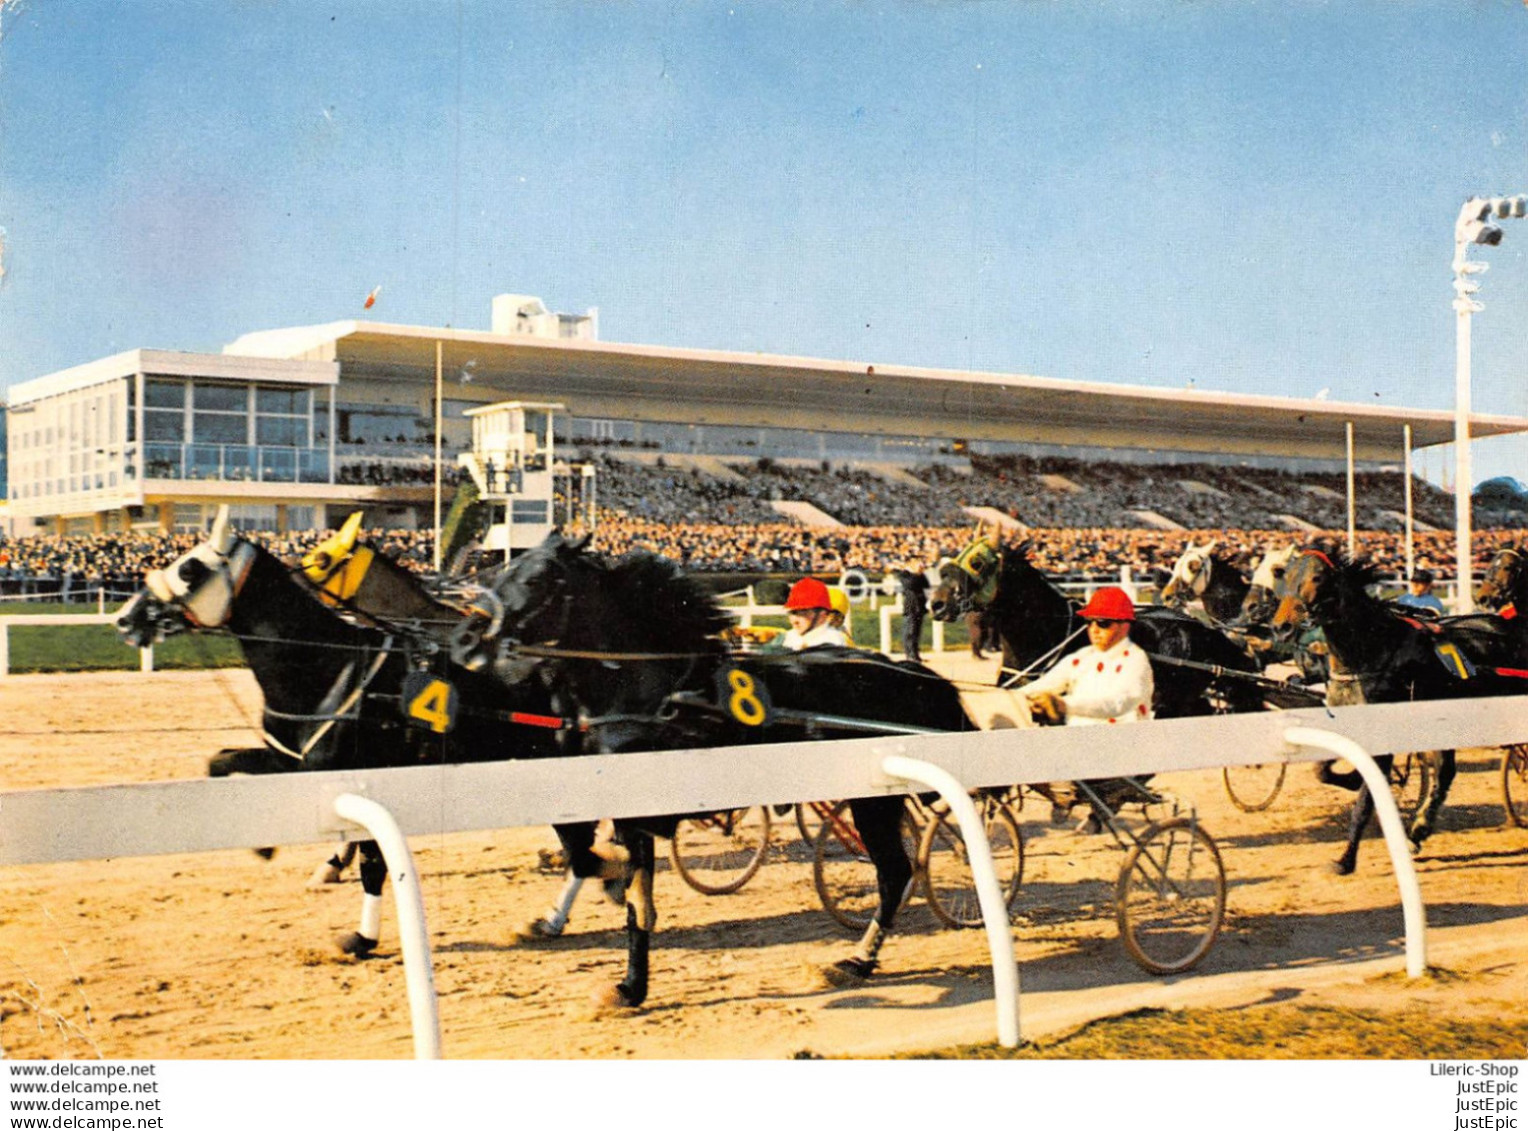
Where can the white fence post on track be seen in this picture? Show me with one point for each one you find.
(1412, 910)
(1005, 969)
(409, 900)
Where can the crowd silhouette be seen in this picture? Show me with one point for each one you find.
(1083, 519)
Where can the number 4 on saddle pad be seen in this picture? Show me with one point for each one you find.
(429, 701)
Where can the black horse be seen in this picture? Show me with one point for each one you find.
(363, 582)
(1194, 667)
(1380, 654)
(338, 695)
(631, 647)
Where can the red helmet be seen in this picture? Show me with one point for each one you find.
(809, 593)
(1109, 603)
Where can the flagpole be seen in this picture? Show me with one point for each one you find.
(438, 414)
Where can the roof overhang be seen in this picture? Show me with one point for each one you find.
(658, 383)
(175, 363)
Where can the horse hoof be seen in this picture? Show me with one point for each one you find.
(848, 973)
(1341, 867)
(265, 853)
(356, 944)
(537, 930)
(613, 999)
(324, 874)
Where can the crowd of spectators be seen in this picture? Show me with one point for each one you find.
(1084, 519)
(395, 473)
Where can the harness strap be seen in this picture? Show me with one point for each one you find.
(1021, 673)
(342, 712)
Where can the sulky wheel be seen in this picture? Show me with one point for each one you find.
(949, 884)
(1253, 788)
(809, 816)
(1171, 897)
(1514, 784)
(843, 872)
(719, 853)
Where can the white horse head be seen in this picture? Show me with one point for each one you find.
(1190, 573)
(205, 579)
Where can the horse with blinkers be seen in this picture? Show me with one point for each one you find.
(1381, 654)
(632, 649)
(336, 692)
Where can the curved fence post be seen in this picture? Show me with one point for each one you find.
(1005, 970)
(1413, 912)
(410, 903)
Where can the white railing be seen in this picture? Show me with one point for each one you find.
(44, 826)
(60, 620)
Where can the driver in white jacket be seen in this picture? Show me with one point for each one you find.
(1109, 681)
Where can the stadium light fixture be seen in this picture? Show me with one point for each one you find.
(1474, 226)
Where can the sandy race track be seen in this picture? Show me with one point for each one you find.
(228, 956)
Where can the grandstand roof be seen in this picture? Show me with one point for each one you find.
(662, 383)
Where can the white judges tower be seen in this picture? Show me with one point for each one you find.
(513, 466)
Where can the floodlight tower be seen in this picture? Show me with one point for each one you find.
(1473, 226)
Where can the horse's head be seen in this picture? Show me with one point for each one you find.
(196, 589)
(1259, 603)
(533, 591)
(1503, 580)
(336, 565)
(968, 581)
(1190, 575)
(1297, 591)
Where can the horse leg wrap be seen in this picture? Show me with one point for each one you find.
(633, 988)
(371, 917)
(869, 949)
(552, 923)
(639, 900)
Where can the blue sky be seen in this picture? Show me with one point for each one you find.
(1250, 196)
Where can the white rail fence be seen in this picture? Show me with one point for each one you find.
(43, 826)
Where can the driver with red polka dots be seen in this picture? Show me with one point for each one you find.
(1109, 681)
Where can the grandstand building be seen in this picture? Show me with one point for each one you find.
(293, 428)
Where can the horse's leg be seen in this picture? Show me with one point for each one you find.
(330, 870)
(1438, 784)
(1358, 821)
(641, 918)
(879, 823)
(1351, 781)
(363, 941)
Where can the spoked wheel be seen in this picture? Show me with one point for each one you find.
(843, 872)
(949, 883)
(1514, 784)
(809, 816)
(1410, 777)
(1253, 788)
(718, 854)
(1171, 897)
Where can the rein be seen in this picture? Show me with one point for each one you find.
(342, 713)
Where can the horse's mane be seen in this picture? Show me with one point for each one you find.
(679, 612)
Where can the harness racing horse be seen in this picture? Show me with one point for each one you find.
(352, 575)
(1504, 584)
(1037, 623)
(632, 649)
(337, 694)
(1194, 666)
(1379, 654)
(1201, 573)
